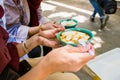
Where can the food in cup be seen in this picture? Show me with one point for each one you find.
(74, 37)
(68, 23)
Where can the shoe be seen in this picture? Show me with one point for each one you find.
(92, 19)
(103, 21)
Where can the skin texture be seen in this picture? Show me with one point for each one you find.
(41, 38)
(46, 26)
(62, 59)
(66, 58)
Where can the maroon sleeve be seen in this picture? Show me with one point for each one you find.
(4, 53)
(1, 12)
(14, 63)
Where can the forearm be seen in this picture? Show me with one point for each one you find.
(30, 44)
(39, 72)
(33, 30)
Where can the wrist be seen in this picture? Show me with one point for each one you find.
(29, 44)
(33, 30)
(25, 47)
(44, 66)
(41, 27)
(38, 40)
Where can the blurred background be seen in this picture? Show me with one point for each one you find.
(103, 41)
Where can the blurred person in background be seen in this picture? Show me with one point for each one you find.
(98, 9)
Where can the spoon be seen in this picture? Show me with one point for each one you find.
(83, 43)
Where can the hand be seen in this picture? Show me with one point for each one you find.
(39, 40)
(50, 33)
(86, 48)
(49, 42)
(51, 25)
(66, 58)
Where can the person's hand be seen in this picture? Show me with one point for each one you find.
(62, 59)
(51, 25)
(49, 42)
(67, 58)
(50, 33)
(39, 40)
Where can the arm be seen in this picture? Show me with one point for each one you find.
(19, 33)
(62, 59)
(33, 30)
(37, 73)
(35, 41)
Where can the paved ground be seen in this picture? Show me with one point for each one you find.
(80, 10)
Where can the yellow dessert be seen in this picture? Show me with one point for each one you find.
(74, 37)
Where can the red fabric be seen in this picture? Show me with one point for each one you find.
(4, 53)
(1, 11)
(34, 5)
(8, 54)
(14, 63)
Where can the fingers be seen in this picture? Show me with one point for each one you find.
(49, 42)
(52, 25)
(81, 49)
(58, 26)
(86, 48)
(60, 29)
(81, 58)
(51, 33)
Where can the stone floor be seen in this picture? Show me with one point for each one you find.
(81, 10)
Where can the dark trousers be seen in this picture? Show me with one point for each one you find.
(46, 50)
(36, 52)
(9, 74)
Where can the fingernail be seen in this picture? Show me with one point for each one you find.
(91, 52)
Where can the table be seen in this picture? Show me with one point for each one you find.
(105, 66)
